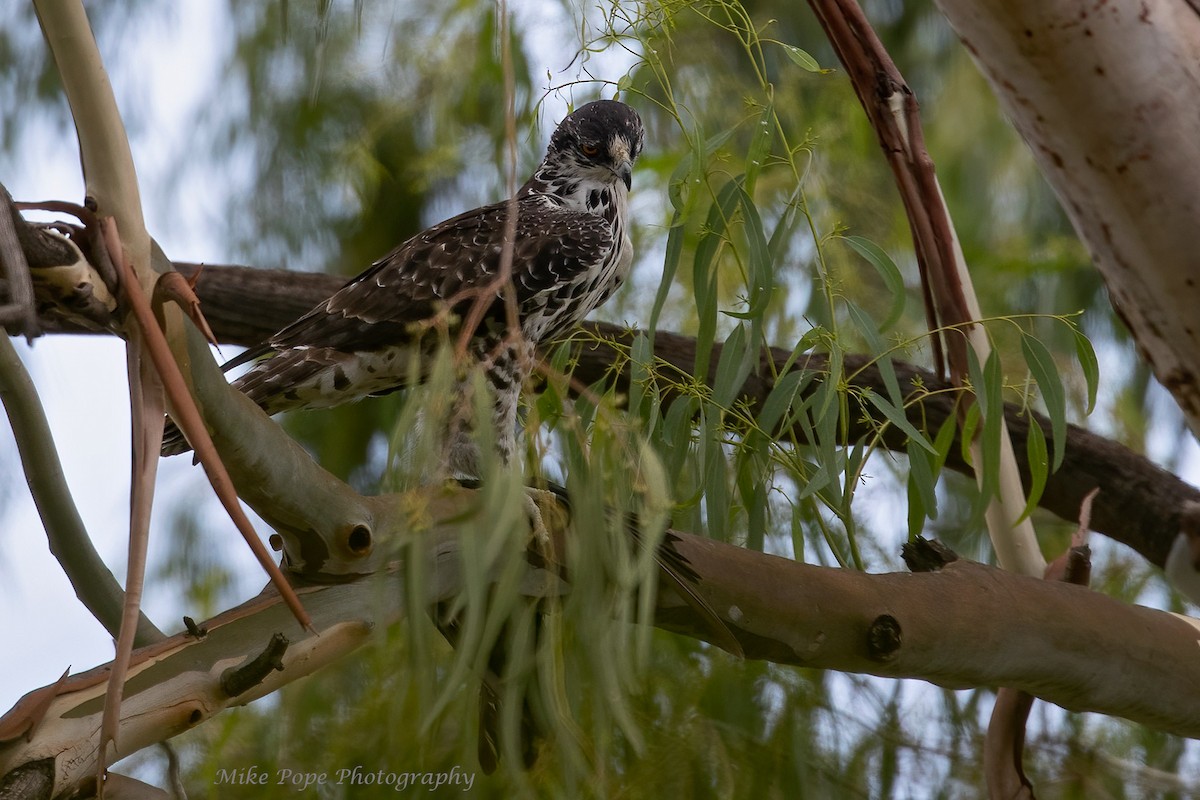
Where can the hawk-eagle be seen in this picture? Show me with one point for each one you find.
(570, 252)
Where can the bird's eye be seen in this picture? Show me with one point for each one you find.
(590, 150)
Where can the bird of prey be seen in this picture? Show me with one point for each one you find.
(570, 252)
(567, 251)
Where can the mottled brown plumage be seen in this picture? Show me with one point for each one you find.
(570, 252)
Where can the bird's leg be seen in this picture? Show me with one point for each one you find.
(507, 370)
(462, 457)
(536, 500)
(540, 504)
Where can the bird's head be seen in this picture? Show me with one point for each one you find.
(598, 141)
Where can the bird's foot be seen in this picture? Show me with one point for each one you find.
(541, 504)
(545, 508)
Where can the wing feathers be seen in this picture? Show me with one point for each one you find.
(437, 269)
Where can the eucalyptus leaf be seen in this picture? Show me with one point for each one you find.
(877, 257)
(780, 399)
(674, 253)
(704, 270)
(1045, 372)
(895, 415)
(738, 357)
(802, 59)
(883, 362)
(922, 478)
(1039, 466)
(761, 273)
(760, 145)
(1090, 366)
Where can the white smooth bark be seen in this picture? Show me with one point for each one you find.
(1107, 95)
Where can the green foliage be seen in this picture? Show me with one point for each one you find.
(1042, 368)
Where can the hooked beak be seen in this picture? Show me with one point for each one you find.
(624, 171)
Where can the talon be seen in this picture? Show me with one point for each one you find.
(539, 533)
(547, 510)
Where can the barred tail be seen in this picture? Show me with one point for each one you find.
(174, 443)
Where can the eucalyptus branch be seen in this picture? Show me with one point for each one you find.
(66, 534)
(109, 174)
(327, 527)
(1140, 504)
(113, 190)
(111, 183)
(1005, 629)
(1128, 180)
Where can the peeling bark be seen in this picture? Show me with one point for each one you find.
(1107, 96)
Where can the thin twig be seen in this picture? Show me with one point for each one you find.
(146, 411)
(1004, 744)
(188, 417)
(503, 281)
(173, 286)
